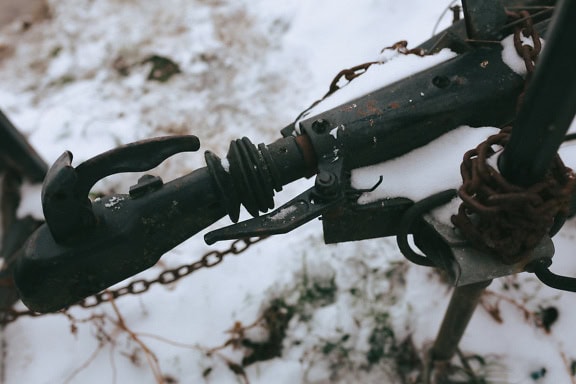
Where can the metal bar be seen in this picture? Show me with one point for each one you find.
(18, 154)
(549, 104)
(464, 301)
(18, 161)
(484, 19)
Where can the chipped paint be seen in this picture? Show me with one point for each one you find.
(113, 202)
(283, 213)
(334, 132)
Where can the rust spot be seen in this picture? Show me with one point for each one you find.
(394, 105)
(349, 107)
(460, 80)
(305, 145)
(370, 108)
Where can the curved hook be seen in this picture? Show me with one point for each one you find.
(134, 157)
(541, 270)
(414, 213)
(65, 201)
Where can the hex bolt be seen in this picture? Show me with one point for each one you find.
(326, 183)
(320, 125)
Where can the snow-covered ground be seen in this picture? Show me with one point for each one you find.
(355, 312)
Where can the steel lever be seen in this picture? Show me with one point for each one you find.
(300, 210)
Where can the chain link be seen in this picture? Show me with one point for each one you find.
(136, 287)
(528, 53)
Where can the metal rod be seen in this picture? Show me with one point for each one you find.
(18, 153)
(464, 301)
(549, 104)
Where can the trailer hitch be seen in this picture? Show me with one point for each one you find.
(87, 246)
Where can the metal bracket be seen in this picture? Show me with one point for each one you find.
(465, 264)
(484, 19)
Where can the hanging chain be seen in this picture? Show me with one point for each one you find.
(350, 74)
(136, 287)
(529, 53)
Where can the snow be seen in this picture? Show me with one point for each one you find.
(113, 201)
(247, 69)
(283, 213)
(30, 202)
(422, 172)
(511, 58)
(225, 164)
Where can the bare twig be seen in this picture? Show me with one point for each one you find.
(568, 365)
(150, 356)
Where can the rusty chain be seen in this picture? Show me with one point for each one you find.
(139, 286)
(495, 215)
(502, 218)
(529, 53)
(350, 74)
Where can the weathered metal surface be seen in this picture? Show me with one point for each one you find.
(67, 208)
(462, 305)
(352, 222)
(129, 235)
(484, 19)
(463, 262)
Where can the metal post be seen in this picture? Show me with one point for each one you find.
(464, 301)
(548, 107)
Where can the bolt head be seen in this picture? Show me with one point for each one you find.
(325, 179)
(326, 183)
(320, 125)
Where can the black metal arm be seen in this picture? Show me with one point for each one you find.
(549, 105)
